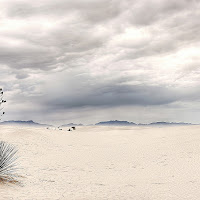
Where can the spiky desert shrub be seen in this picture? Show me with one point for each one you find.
(8, 159)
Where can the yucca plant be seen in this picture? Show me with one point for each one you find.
(8, 159)
(8, 156)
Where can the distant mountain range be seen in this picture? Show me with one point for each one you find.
(116, 123)
(24, 123)
(169, 123)
(71, 124)
(32, 123)
(126, 123)
(104, 123)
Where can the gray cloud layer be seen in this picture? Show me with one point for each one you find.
(73, 58)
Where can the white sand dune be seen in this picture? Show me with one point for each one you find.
(97, 163)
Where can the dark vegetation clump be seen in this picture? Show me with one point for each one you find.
(1, 102)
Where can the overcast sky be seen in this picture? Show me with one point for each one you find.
(86, 61)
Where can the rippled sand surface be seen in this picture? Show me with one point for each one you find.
(111, 163)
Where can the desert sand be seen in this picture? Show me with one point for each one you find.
(97, 163)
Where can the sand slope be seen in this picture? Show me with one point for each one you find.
(96, 163)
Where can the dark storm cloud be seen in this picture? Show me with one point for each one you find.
(114, 95)
(85, 91)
